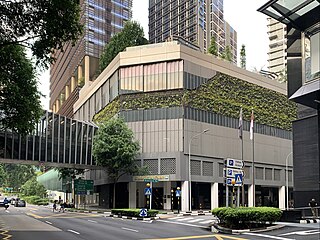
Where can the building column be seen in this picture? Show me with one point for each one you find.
(54, 108)
(250, 196)
(132, 195)
(57, 105)
(282, 197)
(79, 74)
(185, 196)
(86, 69)
(67, 90)
(167, 192)
(214, 195)
(73, 83)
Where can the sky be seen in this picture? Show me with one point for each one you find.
(242, 15)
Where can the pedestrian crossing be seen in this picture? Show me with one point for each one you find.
(194, 220)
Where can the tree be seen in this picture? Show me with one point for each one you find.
(131, 35)
(115, 149)
(20, 107)
(33, 188)
(69, 173)
(16, 175)
(226, 55)
(41, 26)
(243, 59)
(213, 48)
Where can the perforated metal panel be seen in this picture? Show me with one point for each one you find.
(277, 174)
(168, 166)
(247, 172)
(152, 165)
(259, 173)
(268, 173)
(207, 168)
(195, 167)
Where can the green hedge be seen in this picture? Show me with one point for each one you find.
(36, 200)
(133, 212)
(244, 217)
(222, 94)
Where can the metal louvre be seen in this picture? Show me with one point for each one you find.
(56, 141)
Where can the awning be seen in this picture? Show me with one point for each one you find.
(301, 14)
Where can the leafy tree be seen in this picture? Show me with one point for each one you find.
(20, 107)
(213, 48)
(226, 55)
(69, 173)
(41, 26)
(16, 175)
(33, 188)
(115, 149)
(131, 35)
(243, 59)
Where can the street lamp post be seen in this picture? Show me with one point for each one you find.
(287, 181)
(193, 137)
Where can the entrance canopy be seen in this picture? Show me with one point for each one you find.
(301, 14)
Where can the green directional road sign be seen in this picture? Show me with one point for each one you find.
(150, 180)
(83, 187)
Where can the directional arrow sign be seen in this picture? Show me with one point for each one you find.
(230, 172)
(143, 212)
(229, 182)
(234, 163)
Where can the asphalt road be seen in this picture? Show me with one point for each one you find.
(40, 223)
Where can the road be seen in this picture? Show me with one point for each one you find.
(40, 223)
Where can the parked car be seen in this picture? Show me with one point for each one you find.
(20, 203)
(13, 200)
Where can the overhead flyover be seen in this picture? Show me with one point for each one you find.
(57, 141)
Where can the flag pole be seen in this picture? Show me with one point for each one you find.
(243, 194)
(253, 167)
(241, 138)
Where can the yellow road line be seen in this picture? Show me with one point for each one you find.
(34, 215)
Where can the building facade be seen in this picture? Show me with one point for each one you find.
(303, 57)
(78, 64)
(277, 55)
(167, 93)
(195, 21)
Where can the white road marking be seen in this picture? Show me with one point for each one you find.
(7, 211)
(184, 219)
(302, 233)
(129, 229)
(69, 230)
(180, 223)
(175, 218)
(49, 222)
(268, 236)
(207, 221)
(196, 220)
(92, 221)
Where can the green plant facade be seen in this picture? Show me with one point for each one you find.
(244, 217)
(36, 200)
(222, 94)
(133, 212)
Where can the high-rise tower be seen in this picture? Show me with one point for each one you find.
(77, 65)
(195, 21)
(277, 46)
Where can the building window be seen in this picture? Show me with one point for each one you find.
(311, 51)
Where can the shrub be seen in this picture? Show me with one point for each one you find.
(246, 216)
(133, 212)
(36, 200)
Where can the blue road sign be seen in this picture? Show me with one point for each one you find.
(238, 178)
(178, 193)
(147, 191)
(143, 212)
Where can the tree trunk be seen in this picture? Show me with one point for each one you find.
(114, 195)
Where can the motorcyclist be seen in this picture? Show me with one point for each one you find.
(5, 202)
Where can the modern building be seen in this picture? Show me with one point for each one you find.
(195, 21)
(277, 47)
(78, 64)
(168, 94)
(303, 61)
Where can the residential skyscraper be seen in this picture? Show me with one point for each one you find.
(277, 46)
(195, 21)
(78, 64)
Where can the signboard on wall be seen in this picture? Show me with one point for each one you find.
(153, 178)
